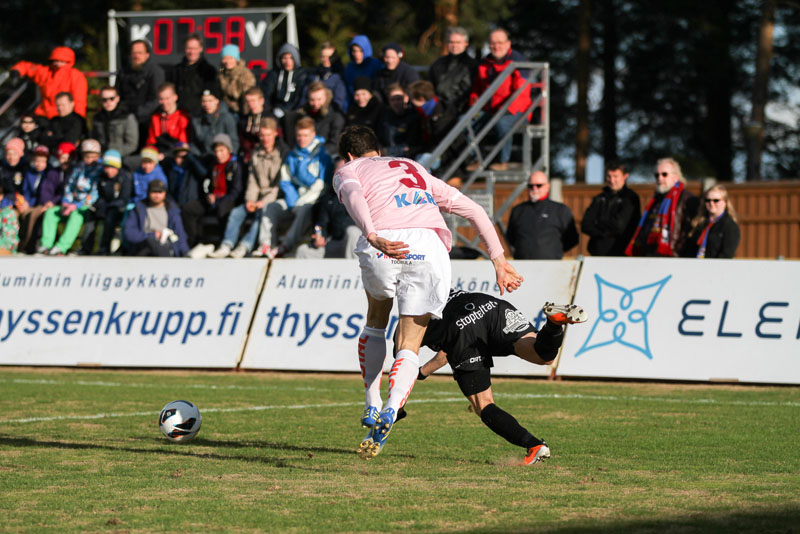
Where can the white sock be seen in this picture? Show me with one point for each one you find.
(402, 378)
(371, 355)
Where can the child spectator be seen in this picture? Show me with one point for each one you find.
(168, 125)
(284, 85)
(394, 70)
(33, 182)
(116, 190)
(399, 127)
(154, 226)
(184, 175)
(222, 190)
(31, 133)
(361, 62)
(49, 194)
(148, 171)
(366, 109)
(12, 168)
(214, 120)
(80, 193)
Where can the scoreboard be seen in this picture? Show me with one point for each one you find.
(254, 31)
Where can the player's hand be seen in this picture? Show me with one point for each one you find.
(393, 249)
(508, 279)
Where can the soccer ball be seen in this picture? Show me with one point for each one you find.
(180, 421)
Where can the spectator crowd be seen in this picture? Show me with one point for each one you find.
(201, 161)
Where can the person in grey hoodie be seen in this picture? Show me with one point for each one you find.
(283, 86)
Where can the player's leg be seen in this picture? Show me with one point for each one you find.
(542, 348)
(477, 387)
(372, 354)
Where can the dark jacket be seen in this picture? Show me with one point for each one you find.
(284, 89)
(35, 137)
(370, 115)
(51, 189)
(722, 241)
(328, 124)
(12, 178)
(138, 90)
(184, 182)
(332, 216)
(134, 226)
(542, 230)
(190, 82)
(234, 186)
(115, 193)
(205, 127)
(332, 81)
(404, 75)
(369, 67)
(117, 129)
(610, 221)
(69, 129)
(452, 77)
(688, 204)
(400, 134)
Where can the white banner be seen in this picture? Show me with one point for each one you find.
(126, 312)
(687, 320)
(312, 311)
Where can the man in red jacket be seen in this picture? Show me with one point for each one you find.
(499, 58)
(168, 125)
(60, 76)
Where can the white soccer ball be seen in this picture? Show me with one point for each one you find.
(180, 421)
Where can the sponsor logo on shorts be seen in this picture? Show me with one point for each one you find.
(476, 315)
(515, 321)
(417, 198)
(405, 260)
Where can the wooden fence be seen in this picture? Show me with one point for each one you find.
(768, 212)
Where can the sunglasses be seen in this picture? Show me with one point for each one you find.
(713, 200)
(108, 99)
(662, 174)
(531, 186)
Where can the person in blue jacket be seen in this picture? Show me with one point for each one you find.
(361, 63)
(154, 227)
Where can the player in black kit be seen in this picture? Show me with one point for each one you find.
(475, 327)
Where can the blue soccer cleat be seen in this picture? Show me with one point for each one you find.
(369, 417)
(373, 443)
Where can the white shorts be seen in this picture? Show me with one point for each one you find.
(420, 281)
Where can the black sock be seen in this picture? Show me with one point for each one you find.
(504, 425)
(548, 341)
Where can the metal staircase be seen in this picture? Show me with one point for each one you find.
(480, 183)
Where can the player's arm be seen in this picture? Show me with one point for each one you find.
(508, 279)
(352, 196)
(432, 365)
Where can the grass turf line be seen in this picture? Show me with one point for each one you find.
(626, 457)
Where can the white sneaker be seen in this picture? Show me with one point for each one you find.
(261, 251)
(223, 251)
(239, 252)
(201, 251)
(55, 251)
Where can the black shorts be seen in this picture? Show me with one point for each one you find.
(473, 382)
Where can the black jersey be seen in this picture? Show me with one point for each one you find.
(474, 327)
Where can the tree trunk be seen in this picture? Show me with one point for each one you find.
(582, 130)
(755, 130)
(610, 51)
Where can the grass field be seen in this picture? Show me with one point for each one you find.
(80, 451)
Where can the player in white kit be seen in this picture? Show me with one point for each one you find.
(403, 253)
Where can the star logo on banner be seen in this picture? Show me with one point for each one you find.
(623, 316)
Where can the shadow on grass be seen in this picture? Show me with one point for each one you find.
(179, 449)
(784, 520)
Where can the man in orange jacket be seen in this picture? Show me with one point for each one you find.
(59, 77)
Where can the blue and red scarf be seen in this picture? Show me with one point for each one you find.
(663, 224)
(701, 242)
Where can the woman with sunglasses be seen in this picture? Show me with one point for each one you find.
(714, 232)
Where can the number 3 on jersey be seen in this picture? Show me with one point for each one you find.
(416, 182)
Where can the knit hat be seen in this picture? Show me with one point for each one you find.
(149, 152)
(112, 158)
(396, 47)
(41, 150)
(91, 145)
(156, 186)
(180, 147)
(223, 139)
(231, 50)
(362, 82)
(65, 148)
(16, 144)
(213, 91)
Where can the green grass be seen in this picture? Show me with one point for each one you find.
(627, 457)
